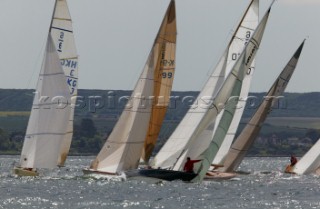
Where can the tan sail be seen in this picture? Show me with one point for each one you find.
(124, 146)
(163, 78)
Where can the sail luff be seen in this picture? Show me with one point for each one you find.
(124, 146)
(246, 138)
(49, 114)
(62, 32)
(163, 79)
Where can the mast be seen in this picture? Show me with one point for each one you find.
(53, 13)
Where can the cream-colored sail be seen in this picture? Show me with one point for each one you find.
(187, 129)
(123, 148)
(63, 38)
(242, 35)
(163, 78)
(49, 115)
(246, 138)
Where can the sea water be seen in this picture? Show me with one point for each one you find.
(265, 187)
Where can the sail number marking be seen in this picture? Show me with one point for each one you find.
(167, 75)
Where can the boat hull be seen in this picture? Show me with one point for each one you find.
(167, 175)
(24, 172)
(289, 169)
(214, 175)
(88, 171)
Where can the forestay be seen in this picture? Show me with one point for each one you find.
(63, 38)
(49, 115)
(246, 138)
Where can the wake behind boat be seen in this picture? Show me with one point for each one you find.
(164, 174)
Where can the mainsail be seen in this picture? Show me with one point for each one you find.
(124, 146)
(246, 138)
(63, 38)
(163, 78)
(176, 146)
(49, 115)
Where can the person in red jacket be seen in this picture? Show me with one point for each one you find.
(188, 166)
(293, 160)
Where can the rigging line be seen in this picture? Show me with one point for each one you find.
(36, 64)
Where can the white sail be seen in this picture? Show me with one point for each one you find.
(63, 38)
(123, 148)
(310, 162)
(49, 115)
(246, 138)
(242, 35)
(177, 143)
(242, 66)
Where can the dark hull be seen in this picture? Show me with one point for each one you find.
(167, 175)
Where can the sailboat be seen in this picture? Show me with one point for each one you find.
(246, 138)
(50, 114)
(62, 35)
(309, 163)
(124, 146)
(171, 156)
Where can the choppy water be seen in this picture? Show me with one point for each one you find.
(265, 187)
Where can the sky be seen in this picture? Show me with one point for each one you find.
(114, 38)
